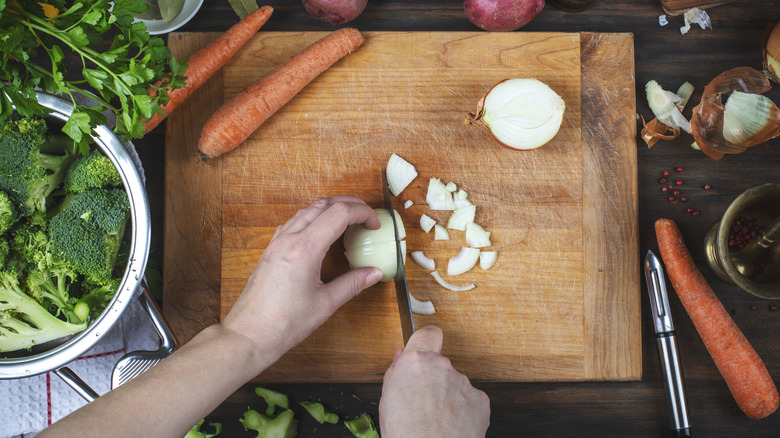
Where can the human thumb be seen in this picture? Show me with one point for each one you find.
(429, 338)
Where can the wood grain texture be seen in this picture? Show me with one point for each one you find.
(552, 309)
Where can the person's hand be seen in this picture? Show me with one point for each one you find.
(424, 396)
(285, 299)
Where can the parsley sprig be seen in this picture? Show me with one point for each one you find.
(117, 58)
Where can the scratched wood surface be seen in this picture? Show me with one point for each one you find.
(562, 303)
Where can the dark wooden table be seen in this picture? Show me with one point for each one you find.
(592, 408)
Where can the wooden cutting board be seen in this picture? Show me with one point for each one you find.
(562, 302)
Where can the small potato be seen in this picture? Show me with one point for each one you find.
(335, 11)
(502, 15)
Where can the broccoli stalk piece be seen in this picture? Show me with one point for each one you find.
(8, 212)
(318, 411)
(87, 233)
(195, 432)
(273, 399)
(25, 323)
(362, 427)
(283, 426)
(93, 302)
(32, 164)
(95, 171)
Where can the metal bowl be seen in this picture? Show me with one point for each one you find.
(57, 354)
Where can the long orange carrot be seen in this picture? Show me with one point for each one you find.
(738, 363)
(205, 62)
(240, 116)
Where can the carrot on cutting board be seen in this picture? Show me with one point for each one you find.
(205, 62)
(240, 116)
(739, 364)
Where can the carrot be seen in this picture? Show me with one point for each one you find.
(205, 62)
(240, 116)
(738, 363)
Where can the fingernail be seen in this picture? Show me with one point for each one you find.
(374, 276)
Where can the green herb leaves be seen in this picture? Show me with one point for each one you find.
(116, 62)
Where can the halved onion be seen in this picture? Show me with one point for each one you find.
(463, 262)
(461, 217)
(423, 261)
(476, 236)
(520, 113)
(427, 222)
(400, 173)
(451, 286)
(487, 259)
(438, 197)
(440, 233)
(376, 248)
(421, 307)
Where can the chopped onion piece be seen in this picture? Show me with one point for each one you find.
(745, 115)
(408, 203)
(427, 222)
(438, 197)
(399, 174)
(465, 260)
(421, 307)
(695, 15)
(662, 20)
(423, 261)
(440, 233)
(487, 259)
(684, 93)
(476, 236)
(461, 217)
(460, 198)
(451, 186)
(451, 286)
(664, 105)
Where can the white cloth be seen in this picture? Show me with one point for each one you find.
(29, 405)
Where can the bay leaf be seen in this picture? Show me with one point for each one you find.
(169, 9)
(243, 7)
(152, 11)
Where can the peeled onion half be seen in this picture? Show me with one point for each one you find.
(520, 113)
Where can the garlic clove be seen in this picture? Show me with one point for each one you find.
(520, 113)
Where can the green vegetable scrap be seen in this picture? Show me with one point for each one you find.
(318, 411)
(196, 431)
(35, 38)
(283, 426)
(362, 427)
(273, 399)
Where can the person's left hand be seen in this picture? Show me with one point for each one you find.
(285, 299)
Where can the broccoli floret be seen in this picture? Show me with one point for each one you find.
(31, 244)
(95, 171)
(32, 164)
(87, 233)
(8, 212)
(25, 323)
(362, 427)
(5, 252)
(196, 432)
(50, 286)
(283, 426)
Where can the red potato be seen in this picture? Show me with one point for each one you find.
(335, 11)
(502, 15)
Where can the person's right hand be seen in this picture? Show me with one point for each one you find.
(424, 396)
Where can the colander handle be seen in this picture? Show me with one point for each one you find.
(75, 382)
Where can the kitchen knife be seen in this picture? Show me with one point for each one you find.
(401, 287)
(666, 339)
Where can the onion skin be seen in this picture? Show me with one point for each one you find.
(771, 50)
(502, 15)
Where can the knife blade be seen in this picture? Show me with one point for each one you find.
(668, 354)
(401, 286)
